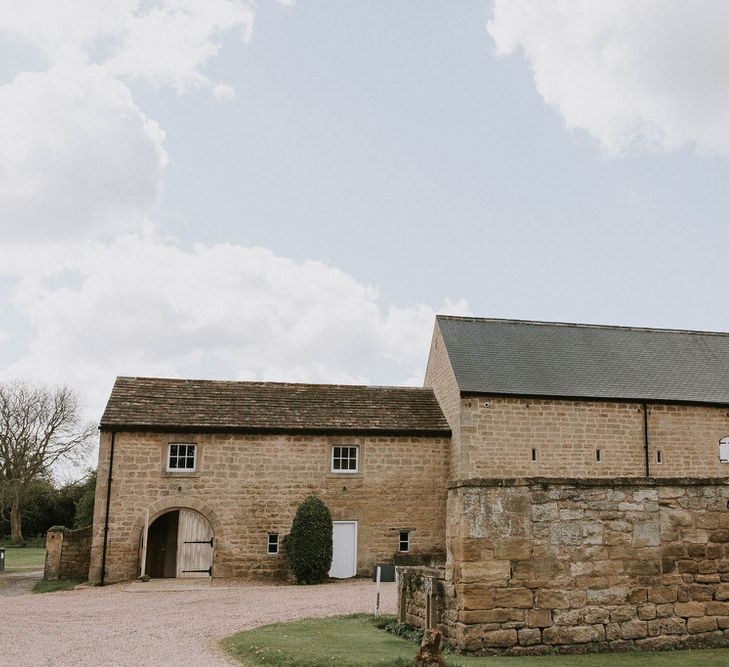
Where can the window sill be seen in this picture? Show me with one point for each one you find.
(179, 474)
(344, 475)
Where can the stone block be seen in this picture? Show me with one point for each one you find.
(722, 592)
(704, 624)
(638, 595)
(721, 535)
(529, 636)
(516, 548)
(580, 634)
(623, 613)
(717, 608)
(539, 618)
(647, 534)
(488, 616)
(593, 615)
(689, 609)
(489, 571)
(475, 596)
(647, 611)
(667, 626)
(635, 629)
(513, 597)
(500, 638)
(546, 599)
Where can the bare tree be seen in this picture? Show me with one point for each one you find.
(40, 426)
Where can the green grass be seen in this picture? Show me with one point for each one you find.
(24, 559)
(355, 641)
(57, 585)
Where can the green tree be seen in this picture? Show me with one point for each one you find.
(39, 427)
(309, 544)
(85, 505)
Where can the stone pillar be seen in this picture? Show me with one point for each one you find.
(54, 548)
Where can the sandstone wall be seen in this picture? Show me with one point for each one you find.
(248, 486)
(497, 436)
(574, 565)
(67, 554)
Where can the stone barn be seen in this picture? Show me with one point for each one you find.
(575, 476)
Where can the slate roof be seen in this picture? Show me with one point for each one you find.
(205, 405)
(516, 357)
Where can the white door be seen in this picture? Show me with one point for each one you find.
(194, 545)
(344, 547)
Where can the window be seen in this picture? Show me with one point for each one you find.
(724, 450)
(344, 459)
(404, 541)
(181, 458)
(659, 457)
(534, 454)
(272, 546)
(597, 455)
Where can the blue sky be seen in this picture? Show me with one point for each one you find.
(292, 191)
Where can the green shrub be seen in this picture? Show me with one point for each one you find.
(309, 544)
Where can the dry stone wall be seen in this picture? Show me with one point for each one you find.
(248, 486)
(542, 565)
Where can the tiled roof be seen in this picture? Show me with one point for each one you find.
(159, 403)
(515, 357)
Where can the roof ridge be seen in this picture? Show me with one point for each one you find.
(579, 325)
(269, 383)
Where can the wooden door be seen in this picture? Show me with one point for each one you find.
(162, 546)
(194, 545)
(344, 549)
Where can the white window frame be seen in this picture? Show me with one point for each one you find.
(348, 471)
(269, 544)
(406, 541)
(724, 450)
(181, 444)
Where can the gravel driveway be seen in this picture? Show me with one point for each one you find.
(110, 626)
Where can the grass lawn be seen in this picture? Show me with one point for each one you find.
(57, 585)
(24, 559)
(355, 641)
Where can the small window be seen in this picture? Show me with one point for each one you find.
(534, 454)
(181, 458)
(659, 457)
(404, 541)
(597, 455)
(345, 459)
(724, 450)
(272, 546)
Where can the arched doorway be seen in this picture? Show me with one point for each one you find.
(179, 544)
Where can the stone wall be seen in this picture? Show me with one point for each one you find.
(248, 486)
(538, 565)
(439, 376)
(67, 554)
(421, 596)
(498, 434)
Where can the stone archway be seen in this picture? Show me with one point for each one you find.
(164, 515)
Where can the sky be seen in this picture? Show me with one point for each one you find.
(292, 190)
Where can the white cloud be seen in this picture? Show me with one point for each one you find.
(649, 75)
(77, 156)
(171, 43)
(166, 43)
(150, 308)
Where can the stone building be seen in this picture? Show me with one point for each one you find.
(213, 472)
(575, 475)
